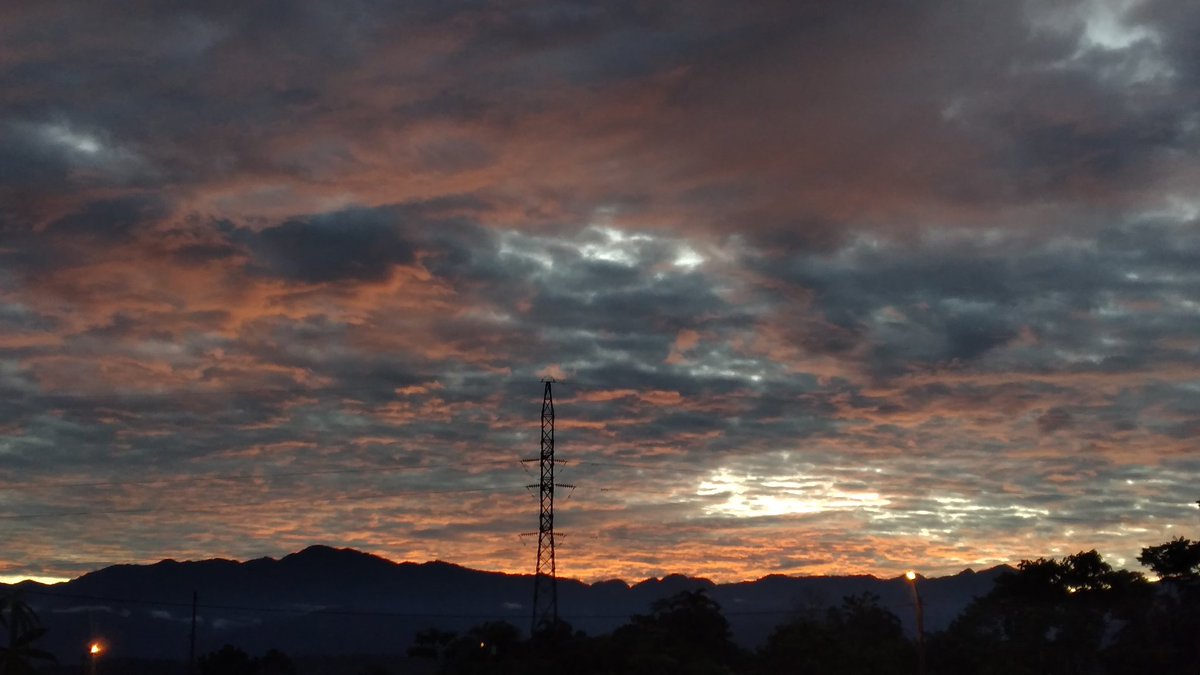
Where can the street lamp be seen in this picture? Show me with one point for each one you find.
(920, 611)
(94, 655)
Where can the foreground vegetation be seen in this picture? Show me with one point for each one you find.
(1070, 616)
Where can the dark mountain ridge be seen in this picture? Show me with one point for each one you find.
(324, 600)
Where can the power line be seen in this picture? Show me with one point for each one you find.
(269, 476)
(353, 612)
(383, 391)
(631, 465)
(40, 485)
(213, 508)
(185, 393)
(253, 608)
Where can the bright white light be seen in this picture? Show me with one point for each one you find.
(515, 249)
(66, 137)
(1183, 207)
(688, 258)
(960, 509)
(1104, 28)
(750, 495)
(18, 578)
(618, 247)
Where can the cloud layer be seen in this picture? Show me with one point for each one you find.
(830, 287)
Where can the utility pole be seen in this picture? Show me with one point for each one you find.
(920, 610)
(192, 650)
(545, 588)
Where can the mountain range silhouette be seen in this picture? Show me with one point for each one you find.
(325, 600)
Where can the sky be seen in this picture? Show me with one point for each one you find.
(827, 287)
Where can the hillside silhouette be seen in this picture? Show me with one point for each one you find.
(325, 600)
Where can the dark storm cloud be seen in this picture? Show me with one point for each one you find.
(204, 253)
(25, 163)
(109, 220)
(344, 246)
(356, 245)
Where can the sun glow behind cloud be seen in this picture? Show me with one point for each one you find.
(749, 496)
(18, 578)
(62, 135)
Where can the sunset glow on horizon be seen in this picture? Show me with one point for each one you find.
(828, 288)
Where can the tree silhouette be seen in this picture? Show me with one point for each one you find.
(859, 637)
(1177, 560)
(430, 643)
(1049, 616)
(275, 662)
(24, 629)
(1167, 637)
(491, 647)
(684, 633)
(228, 660)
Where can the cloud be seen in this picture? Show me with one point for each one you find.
(1053, 420)
(345, 246)
(303, 276)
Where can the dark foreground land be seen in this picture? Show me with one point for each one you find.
(398, 664)
(1070, 616)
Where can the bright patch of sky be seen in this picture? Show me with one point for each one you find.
(616, 246)
(1105, 25)
(64, 136)
(688, 258)
(18, 578)
(751, 495)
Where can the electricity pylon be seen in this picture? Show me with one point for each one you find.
(545, 587)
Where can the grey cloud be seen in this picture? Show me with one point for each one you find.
(19, 318)
(109, 220)
(26, 164)
(931, 303)
(1055, 419)
(1175, 24)
(354, 245)
(89, 232)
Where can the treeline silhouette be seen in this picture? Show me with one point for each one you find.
(1070, 616)
(1050, 616)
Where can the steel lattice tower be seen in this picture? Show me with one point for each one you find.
(545, 588)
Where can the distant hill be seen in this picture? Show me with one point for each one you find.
(340, 601)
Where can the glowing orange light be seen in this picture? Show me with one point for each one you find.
(910, 575)
(95, 648)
